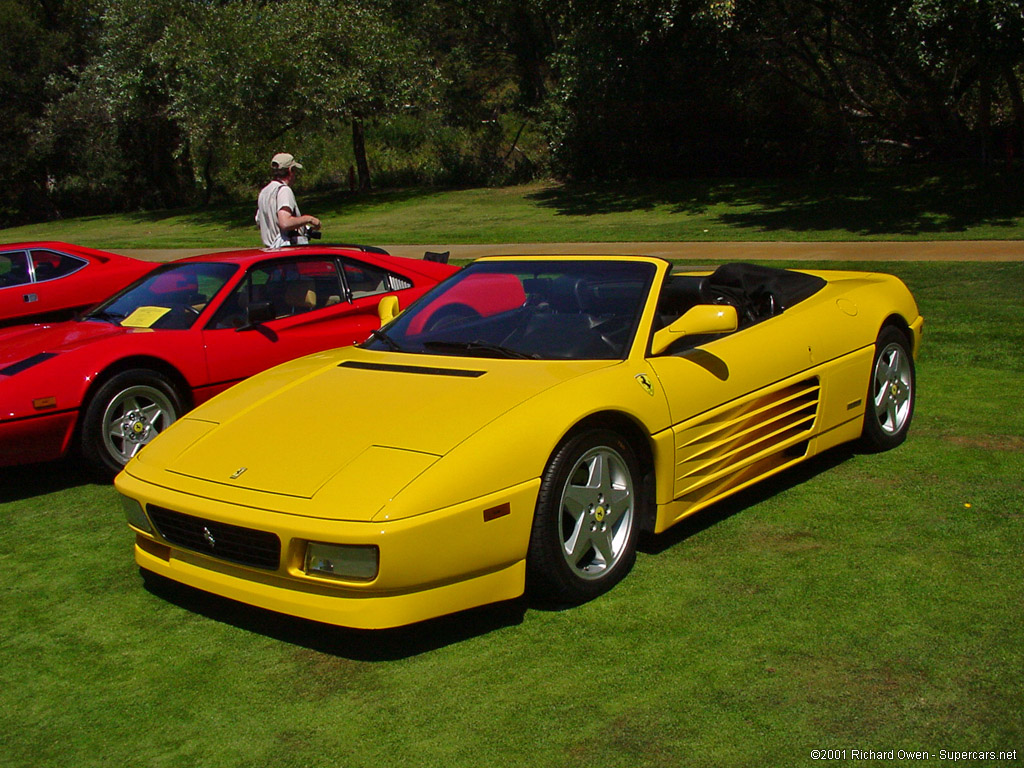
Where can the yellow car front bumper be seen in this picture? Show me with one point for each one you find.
(432, 564)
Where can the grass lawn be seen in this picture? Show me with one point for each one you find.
(860, 602)
(932, 203)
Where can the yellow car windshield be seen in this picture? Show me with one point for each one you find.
(534, 309)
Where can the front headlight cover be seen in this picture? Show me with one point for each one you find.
(346, 562)
(135, 514)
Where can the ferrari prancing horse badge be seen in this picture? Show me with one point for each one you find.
(645, 382)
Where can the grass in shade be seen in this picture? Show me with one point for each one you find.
(857, 602)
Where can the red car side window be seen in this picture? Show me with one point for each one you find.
(364, 280)
(49, 265)
(289, 287)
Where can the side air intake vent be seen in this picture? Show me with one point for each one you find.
(736, 444)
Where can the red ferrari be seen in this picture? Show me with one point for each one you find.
(108, 383)
(51, 280)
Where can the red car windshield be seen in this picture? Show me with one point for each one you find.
(544, 310)
(170, 298)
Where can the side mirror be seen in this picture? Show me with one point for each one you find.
(257, 313)
(698, 320)
(388, 309)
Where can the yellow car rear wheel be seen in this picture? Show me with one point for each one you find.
(891, 392)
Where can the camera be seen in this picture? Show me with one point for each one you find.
(304, 234)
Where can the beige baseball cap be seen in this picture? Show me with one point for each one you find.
(284, 161)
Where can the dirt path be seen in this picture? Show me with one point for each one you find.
(965, 250)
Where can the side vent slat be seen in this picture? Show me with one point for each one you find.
(772, 442)
(746, 412)
(750, 430)
(736, 444)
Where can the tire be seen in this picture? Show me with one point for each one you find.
(124, 414)
(587, 519)
(891, 392)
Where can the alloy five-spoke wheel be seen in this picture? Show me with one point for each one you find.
(133, 418)
(586, 521)
(125, 414)
(892, 389)
(891, 392)
(596, 512)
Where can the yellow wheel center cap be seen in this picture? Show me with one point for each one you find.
(138, 427)
(599, 514)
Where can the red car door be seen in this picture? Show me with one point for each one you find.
(281, 310)
(54, 287)
(15, 283)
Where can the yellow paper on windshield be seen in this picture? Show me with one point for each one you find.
(144, 317)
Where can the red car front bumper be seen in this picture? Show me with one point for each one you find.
(39, 438)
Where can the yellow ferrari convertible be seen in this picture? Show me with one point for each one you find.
(516, 429)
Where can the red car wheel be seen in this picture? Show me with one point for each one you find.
(127, 412)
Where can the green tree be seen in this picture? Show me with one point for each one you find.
(494, 75)
(649, 88)
(182, 93)
(243, 75)
(107, 134)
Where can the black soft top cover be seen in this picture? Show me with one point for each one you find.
(750, 283)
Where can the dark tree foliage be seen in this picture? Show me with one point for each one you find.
(663, 89)
(37, 40)
(118, 104)
(924, 79)
(675, 88)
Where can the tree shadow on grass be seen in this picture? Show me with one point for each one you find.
(30, 480)
(690, 197)
(917, 201)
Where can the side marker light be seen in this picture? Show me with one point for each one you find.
(499, 511)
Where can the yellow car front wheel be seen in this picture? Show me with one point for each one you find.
(586, 521)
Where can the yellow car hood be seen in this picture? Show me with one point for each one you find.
(370, 421)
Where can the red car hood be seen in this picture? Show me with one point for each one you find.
(20, 342)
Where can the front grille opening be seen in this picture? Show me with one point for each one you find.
(245, 546)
